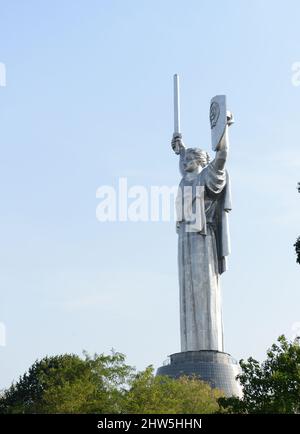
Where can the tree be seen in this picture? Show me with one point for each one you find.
(70, 384)
(297, 243)
(104, 384)
(163, 395)
(270, 387)
(297, 249)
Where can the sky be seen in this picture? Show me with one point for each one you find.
(88, 99)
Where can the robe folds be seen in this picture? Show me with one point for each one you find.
(203, 245)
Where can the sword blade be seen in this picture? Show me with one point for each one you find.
(176, 105)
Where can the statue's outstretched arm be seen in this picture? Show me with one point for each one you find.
(222, 152)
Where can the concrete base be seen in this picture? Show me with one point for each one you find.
(216, 368)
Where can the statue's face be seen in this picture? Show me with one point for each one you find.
(192, 162)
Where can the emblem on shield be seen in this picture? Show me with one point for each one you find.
(218, 119)
(214, 114)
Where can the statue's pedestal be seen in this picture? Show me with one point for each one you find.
(216, 368)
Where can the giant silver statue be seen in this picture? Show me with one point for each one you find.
(202, 204)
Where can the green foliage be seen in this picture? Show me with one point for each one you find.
(270, 387)
(69, 384)
(106, 384)
(297, 249)
(160, 394)
(103, 384)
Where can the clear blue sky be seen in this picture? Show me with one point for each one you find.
(89, 99)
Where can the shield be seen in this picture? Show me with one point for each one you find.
(218, 119)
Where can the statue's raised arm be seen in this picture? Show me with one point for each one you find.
(179, 148)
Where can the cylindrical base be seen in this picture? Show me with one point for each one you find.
(216, 368)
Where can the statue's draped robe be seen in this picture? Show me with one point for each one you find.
(203, 244)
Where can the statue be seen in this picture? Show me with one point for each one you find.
(202, 205)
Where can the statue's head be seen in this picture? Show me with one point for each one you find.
(194, 159)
